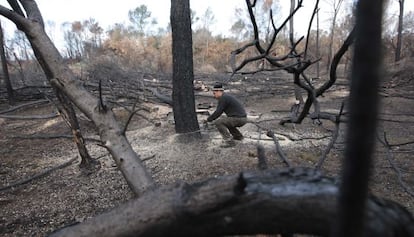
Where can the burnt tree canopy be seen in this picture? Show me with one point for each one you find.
(183, 76)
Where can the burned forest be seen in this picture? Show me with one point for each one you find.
(110, 140)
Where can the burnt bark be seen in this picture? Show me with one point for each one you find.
(363, 115)
(267, 202)
(182, 48)
(63, 78)
(69, 116)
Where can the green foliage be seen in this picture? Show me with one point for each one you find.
(140, 18)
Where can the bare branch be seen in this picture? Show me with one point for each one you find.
(279, 151)
(39, 175)
(333, 140)
(390, 158)
(23, 105)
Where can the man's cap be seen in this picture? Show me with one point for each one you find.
(218, 87)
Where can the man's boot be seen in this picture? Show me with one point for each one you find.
(228, 143)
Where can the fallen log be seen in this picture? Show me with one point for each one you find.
(292, 200)
(29, 117)
(31, 103)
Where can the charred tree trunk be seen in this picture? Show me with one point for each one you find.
(285, 201)
(69, 116)
(6, 76)
(363, 112)
(183, 89)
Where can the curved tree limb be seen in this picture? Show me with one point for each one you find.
(333, 140)
(62, 78)
(279, 151)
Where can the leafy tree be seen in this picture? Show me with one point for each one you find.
(21, 46)
(140, 17)
(95, 31)
(242, 28)
(238, 28)
(74, 38)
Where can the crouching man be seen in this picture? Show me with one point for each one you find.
(235, 116)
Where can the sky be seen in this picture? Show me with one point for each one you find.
(107, 12)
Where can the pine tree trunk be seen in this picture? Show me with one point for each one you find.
(183, 94)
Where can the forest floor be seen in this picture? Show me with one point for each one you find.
(67, 195)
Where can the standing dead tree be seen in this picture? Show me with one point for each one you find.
(29, 20)
(293, 62)
(361, 130)
(64, 106)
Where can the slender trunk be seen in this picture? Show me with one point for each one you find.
(400, 29)
(297, 89)
(331, 42)
(9, 88)
(69, 116)
(318, 53)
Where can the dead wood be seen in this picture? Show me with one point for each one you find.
(267, 202)
(39, 175)
(328, 148)
(335, 135)
(62, 77)
(390, 158)
(363, 114)
(29, 117)
(31, 103)
(68, 114)
(279, 150)
(51, 136)
(164, 98)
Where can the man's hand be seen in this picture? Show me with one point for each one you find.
(206, 123)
